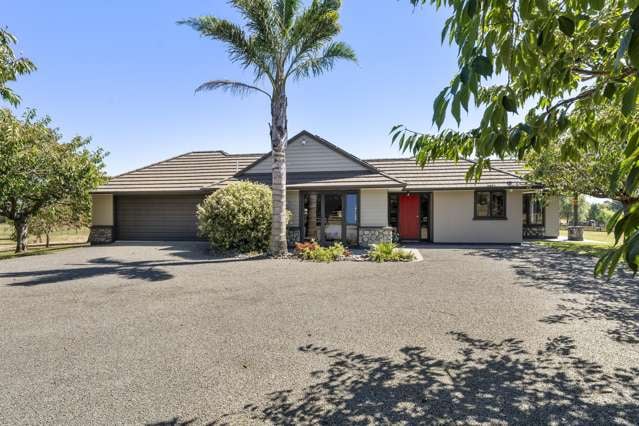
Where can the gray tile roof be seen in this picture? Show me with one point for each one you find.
(511, 166)
(328, 180)
(185, 173)
(203, 171)
(444, 174)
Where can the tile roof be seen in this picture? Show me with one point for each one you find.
(202, 171)
(511, 166)
(318, 180)
(185, 173)
(444, 174)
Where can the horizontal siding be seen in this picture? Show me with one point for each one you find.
(374, 207)
(309, 157)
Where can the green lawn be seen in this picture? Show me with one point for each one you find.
(602, 237)
(602, 242)
(61, 237)
(589, 249)
(34, 251)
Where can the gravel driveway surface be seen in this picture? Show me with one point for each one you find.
(163, 334)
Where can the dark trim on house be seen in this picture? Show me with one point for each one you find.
(116, 230)
(302, 217)
(543, 210)
(474, 188)
(177, 192)
(421, 213)
(335, 148)
(533, 230)
(504, 217)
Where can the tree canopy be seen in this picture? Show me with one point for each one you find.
(592, 169)
(11, 66)
(539, 70)
(38, 171)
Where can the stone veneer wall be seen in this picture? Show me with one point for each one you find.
(374, 235)
(101, 234)
(293, 235)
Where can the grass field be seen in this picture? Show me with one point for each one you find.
(602, 237)
(34, 251)
(65, 236)
(596, 245)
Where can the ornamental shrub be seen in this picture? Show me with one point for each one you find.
(237, 217)
(389, 252)
(314, 252)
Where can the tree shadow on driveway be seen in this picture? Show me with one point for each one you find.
(139, 270)
(175, 421)
(570, 274)
(488, 382)
(145, 270)
(156, 257)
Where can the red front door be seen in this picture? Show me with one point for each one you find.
(409, 217)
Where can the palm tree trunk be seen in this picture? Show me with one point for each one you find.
(279, 139)
(22, 233)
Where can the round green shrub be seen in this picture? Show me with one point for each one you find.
(237, 217)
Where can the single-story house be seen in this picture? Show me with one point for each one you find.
(333, 196)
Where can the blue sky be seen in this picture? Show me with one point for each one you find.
(124, 73)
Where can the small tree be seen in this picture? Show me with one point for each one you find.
(593, 169)
(237, 217)
(600, 213)
(37, 171)
(568, 209)
(67, 214)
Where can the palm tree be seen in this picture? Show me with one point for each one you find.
(280, 41)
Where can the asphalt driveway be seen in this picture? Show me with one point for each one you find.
(164, 334)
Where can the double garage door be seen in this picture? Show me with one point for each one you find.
(165, 217)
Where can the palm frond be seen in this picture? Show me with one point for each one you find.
(286, 10)
(316, 64)
(234, 87)
(261, 21)
(314, 27)
(241, 48)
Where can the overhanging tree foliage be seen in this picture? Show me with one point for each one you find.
(280, 41)
(594, 171)
(540, 69)
(11, 66)
(37, 171)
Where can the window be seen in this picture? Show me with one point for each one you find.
(533, 213)
(393, 210)
(425, 216)
(490, 205)
(331, 216)
(352, 219)
(351, 209)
